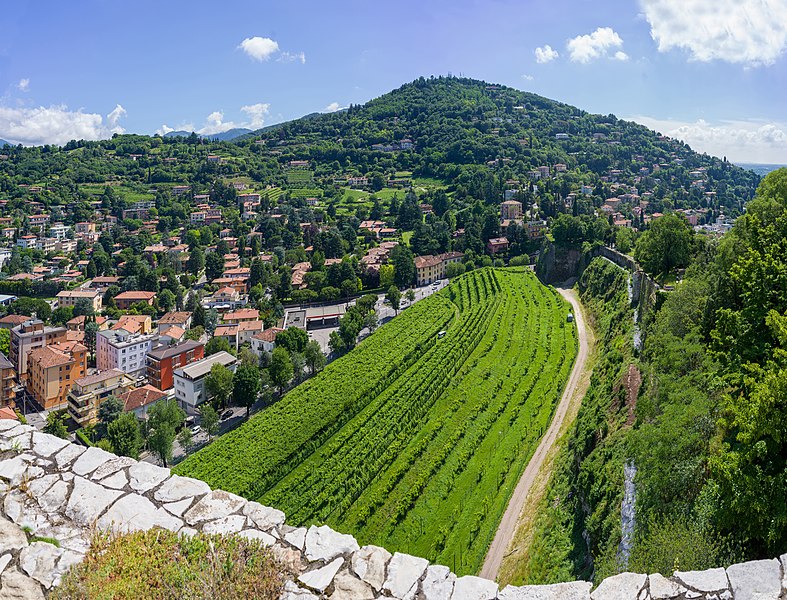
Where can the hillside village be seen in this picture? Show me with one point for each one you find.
(141, 268)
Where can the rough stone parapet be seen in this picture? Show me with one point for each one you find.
(52, 489)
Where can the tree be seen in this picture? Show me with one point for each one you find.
(218, 344)
(293, 339)
(386, 276)
(336, 343)
(410, 295)
(315, 359)
(298, 365)
(211, 320)
(209, 419)
(83, 307)
(665, 246)
(196, 261)
(166, 300)
(198, 316)
(125, 436)
(195, 333)
(62, 314)
(214, 265)
(55, 424)
(350, 326)
(454, 270)
(91, 329)
(370, 321)
(218, 384)
(164, 419)
(108, 411)
(186, 439)
(246, 386)
(624, 239)
(394, 297)
(404, 265)
(280, 368)
(5, 341)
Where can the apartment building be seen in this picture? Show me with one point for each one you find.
(87, 394)
(162, 362)
(52, 371)
(27, 337)
(127, 352)
(190, 380)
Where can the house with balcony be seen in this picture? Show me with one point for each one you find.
(88, 393)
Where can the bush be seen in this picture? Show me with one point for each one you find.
(161, 564)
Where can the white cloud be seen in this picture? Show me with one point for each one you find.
(620, 55)
(287, 57)
(56, 124)
(23, 85)
(545, 54)
(259, 48)
(215, 123)
(739, 140)
(750, 32)
(585, 48)
(527, 77)
(257, 113)
(332, 107)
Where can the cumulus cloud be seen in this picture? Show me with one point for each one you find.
(259, 48)
(751, 32)
(742, 141)
(287, 57)
(527, 77)
(257, 113)
(23, 85)
(545, 54)
(215, 123)
(332, 107)
(620, 55)
(56, 124)
(586, 48)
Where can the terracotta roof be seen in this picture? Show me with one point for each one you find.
(47, 357)
(7, 413)
(174, 331)
(226, 291)
(135, 295)
(131, 323)
(77, 294)
(251, 326)
(243, 313)
(174, 318)
(422, 262)
(140, 397)
(75, 336)
(269, 335)
(14, 319)
(166, 352)
(98, 377)
(223, 330)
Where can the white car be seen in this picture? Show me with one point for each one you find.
(196, 429)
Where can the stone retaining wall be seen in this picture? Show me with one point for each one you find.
(54, 489)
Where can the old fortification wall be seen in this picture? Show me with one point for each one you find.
(54, 489)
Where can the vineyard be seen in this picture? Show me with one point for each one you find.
(412, 442)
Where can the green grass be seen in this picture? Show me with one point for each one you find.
(426, 462)
(406, 235)
(164, 565)
(306, 193)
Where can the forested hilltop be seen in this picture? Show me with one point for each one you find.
(699, 415)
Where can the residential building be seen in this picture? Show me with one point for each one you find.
(11, 321)
(190, 380)
(87, 394)
(27, 242)
(430, 268)
(497, 245)
(162, 362)
(134, 323)
(119, 349)
(139, 400)
(27, 337)
(78, 323)
(71, 297)
(536, 229)
(247, 329)
(229, 332)
(125, 300)
(265, 341)
(52, 371)
(181, 319)
(7, 382)
(244, 314)
(511, 209)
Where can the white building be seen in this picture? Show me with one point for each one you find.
(190, 380)
(119, 349)
(59, 231)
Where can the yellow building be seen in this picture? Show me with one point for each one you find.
(87, 394)
(71, 297)
(52, 370)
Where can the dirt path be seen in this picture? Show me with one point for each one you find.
(507, 529)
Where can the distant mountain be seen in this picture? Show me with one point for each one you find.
(5, 143)
(760, 169)
(225, 136)
(269, 128)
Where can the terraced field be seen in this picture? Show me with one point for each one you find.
(412, 442)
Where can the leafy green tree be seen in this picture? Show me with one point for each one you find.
(665, 246)
(166, 300)
(108, 411)
(83, 307)
(624, 239)
(454, 270)
(280, 369)
(196, 261)
(209, 419)
(164, 419)
(293, 339)
(410, 294)
(211, 321)
(218, 344)
(370, 321)
(214, 265)
(403, 262)
(218, 384)
(62, 314)
(336, 343)
(55, 424)
(350, 326)
(315, 359)
(186, 439)
(125, 436)
(394, 297)
(5, 341)
(246, 386)
(195, 333)
(386, 276)
(198, 315)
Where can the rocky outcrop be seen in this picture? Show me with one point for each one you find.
(52, 495)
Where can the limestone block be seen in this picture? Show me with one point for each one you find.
(404, 571)
(625, 586)
(756, 580)
(323, 543)
(321, 578)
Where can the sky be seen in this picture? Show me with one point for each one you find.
(710, 72)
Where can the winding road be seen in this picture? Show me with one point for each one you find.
(507, 529)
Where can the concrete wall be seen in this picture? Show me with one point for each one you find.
(60, 490)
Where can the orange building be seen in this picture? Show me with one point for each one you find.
(52, 370)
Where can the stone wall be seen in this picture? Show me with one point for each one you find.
(54, 489)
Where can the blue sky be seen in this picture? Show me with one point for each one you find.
(712, 72)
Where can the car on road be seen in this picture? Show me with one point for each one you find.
(196, 429)
(226, 414)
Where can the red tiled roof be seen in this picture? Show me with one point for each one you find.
(140, 397)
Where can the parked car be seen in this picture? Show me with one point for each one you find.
(226, 414)
(196, 429)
